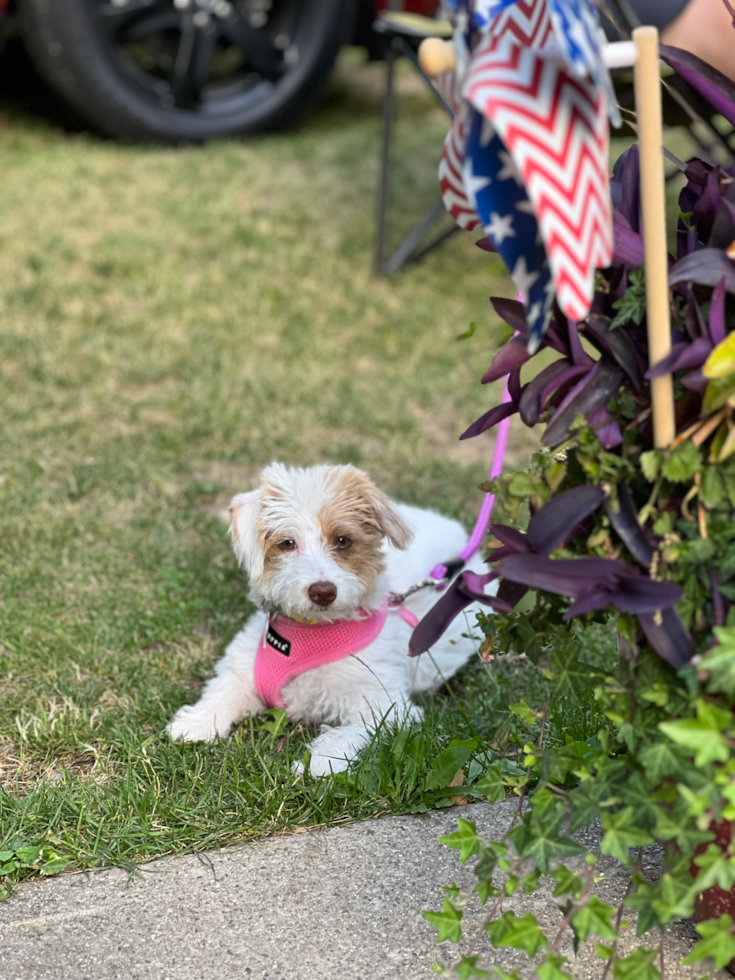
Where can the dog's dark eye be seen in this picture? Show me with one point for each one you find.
(343, 542)
(288, 544)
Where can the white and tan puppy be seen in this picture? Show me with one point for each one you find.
(324, 545)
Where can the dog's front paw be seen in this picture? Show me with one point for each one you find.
(322, 765)
(192, 724)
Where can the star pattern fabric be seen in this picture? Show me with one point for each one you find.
(527, 154)
(501, 205)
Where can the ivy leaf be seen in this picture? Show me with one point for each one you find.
(716, 869)
(445, 766)
(531, 882)
(720, 662)
(539, 842)
(651, 464)
(717, 944)
(448, 922)
(641, 900)
(637, 795)
(679, 825)
(567, 882)
(466, 967)
(6, 856)
(587, 799)
(465, 840)
(638, 965)
(571, 678)
(486, 889)
(525, 712)
(595, 917)
(683, 463)
(487, 863)
(701, 735)
(620, 834)
(660, 760)
(520, 933)
(632, 304)
(551, 969)
(491, 785)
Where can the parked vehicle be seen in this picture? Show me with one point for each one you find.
(187, 70)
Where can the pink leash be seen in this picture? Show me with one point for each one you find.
(483, 518)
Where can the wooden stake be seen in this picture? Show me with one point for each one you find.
(653, 206)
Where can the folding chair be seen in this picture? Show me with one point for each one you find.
(404, 33)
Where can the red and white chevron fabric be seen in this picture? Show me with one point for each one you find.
(450, 174)
(555, 127)
(528, 22)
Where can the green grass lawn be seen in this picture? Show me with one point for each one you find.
(170, 321)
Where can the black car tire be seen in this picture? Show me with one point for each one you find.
(72, 45)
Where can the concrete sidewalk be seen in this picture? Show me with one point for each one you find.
(328, 905)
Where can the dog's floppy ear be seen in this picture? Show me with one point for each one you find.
(243, 530)
(390, 522)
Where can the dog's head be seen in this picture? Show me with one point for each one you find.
(311, 540)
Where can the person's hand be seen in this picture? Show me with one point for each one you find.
(706, 29)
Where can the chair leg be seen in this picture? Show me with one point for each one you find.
(384, 189)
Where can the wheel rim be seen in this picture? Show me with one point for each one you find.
(210, 57)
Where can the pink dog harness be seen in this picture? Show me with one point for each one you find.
(287, 648)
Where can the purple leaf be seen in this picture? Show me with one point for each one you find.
(588, 602)
(706, 207)
(693, 319)
(512, 312)
(708, 267)
(538, 390)
(579, 357)
(510, 537)
(511, 356)
(592, 392)
(556, 522)
(511, 592)
(642, 595)
(669, 638)
(514, 386)
(571, 577)
(712, 84)
(606, 428)
(457, 597)
(717, 314)
(618, 345)
(694, 381)
(683, 357)
(626, 186)
(498, 553)
(723, 227)
(486, 245)
(625, 523)
(489, 419)
(628, 244)
(438, 618)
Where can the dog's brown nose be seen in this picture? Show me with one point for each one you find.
(323, 593)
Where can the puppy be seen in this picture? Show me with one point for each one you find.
(323, 548)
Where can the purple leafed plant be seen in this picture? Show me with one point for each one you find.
(614, 525)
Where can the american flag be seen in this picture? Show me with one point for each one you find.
(527, 154)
